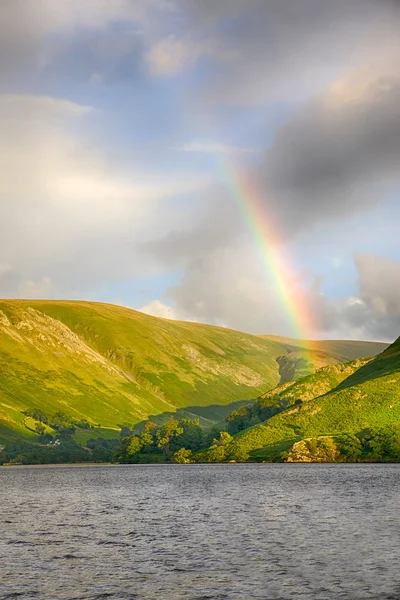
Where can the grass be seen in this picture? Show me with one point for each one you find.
(112, 365)
(81, 436)
(368, 397)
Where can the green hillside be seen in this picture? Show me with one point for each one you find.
(346, 350)
(369, 397)
(111, 365)
(303, 357)
(292, 393)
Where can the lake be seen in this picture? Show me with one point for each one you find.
(200, 532)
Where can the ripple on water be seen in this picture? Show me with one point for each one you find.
(199, 532)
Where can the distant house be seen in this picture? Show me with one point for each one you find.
(55, 443)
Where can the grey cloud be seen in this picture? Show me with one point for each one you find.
(212, 223)
(331, 159)
(340, 154)
(37, 34)
(286, 50)
(233, 290)
(230, 288)
(269, 48)
(375, 312)
(328, 163)
(379, 280)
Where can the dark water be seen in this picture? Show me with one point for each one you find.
(199, 532)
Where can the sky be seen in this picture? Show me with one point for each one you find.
(138, 136)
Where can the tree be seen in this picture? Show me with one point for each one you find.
(385, 444)
(350, 448)
(126, 429)
(237, 453)
(190, 438)
(40, 428)
(238, 420)
(134, 447)
(183, 456)
(218, 449)
(148, 437)
(216, 453)
(164, 434)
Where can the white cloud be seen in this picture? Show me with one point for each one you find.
(156, 308)
(67, 211)
(31, 107)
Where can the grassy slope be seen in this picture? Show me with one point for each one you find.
(300, 353)
(311, 386)
(111, 364)
(370, 396)
(342, 350)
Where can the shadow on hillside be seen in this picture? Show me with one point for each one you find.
(8, 435)
(209, 416)
(379, 367)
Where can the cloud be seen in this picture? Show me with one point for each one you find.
(82, 218)
(26, 27)
(329, 162)
(213, 148)
(13, 106)
(255, 51)
(235, 291)
(156, 308)
(231, 287)
(338, 154)
(69, 214)
(374, 313)
(285, 50)
(378, 279)
(171, 56)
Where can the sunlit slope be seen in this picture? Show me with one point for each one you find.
(316, 384)
(112, 365)
(343, 349)
(304, 357)
(321, 353)
(369, 397)
(292, 393)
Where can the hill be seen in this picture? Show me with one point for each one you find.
(369, 397)
(323, 352)
(292, 393)
(346, 350)
(110, 365)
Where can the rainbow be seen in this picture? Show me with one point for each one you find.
(249, 202)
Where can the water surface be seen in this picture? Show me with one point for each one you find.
(200, 532)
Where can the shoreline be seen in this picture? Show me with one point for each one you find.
(85, 464)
